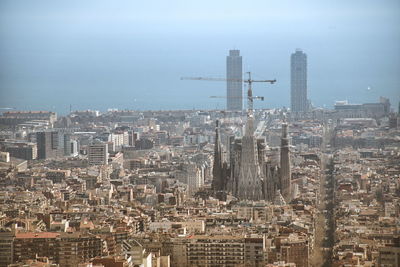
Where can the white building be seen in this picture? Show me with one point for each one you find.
(98, 154)
(194, 177)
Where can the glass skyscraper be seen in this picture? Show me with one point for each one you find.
(234, 95)
(298, 82)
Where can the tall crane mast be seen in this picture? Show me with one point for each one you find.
(249, 81)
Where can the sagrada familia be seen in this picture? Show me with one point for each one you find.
(250, 175)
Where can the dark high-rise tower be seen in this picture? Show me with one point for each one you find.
(234, 99)
(298, 82)
(47, 144)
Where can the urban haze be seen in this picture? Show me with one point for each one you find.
(199, 133)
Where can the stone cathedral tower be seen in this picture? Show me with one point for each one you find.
(220, 168)
(249, 172)
(285, 173)
(250, 177)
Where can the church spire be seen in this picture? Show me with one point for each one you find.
(217, 183)
(285, 182)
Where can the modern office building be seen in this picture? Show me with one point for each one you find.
(19, 149)
(234, 94)
(298, 82)
(70, 146)
(47, 144)
(98, 154)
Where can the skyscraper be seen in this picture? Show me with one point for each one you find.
(47, 144)
(298, 81)
(234, 100)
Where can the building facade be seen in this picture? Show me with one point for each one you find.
(67, 249)
(390, 254)
(21, 150)
(16, 117)
(6, 248)
(98, 154)
(194, 178)
(298, 82)
(47, 144)
(367, 110)
(234, 89)
(220, 250)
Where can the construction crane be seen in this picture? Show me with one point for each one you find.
(249, 81)
(254, 97)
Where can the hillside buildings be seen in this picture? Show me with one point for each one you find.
(13, 118)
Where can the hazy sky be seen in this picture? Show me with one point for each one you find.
(131, 54)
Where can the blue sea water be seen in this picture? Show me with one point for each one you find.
(131, 55)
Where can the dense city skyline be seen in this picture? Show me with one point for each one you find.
(122, 55)
(197, 134)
